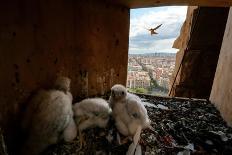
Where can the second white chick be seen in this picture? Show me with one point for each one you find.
(129, 114)
(139, 121)
(89, 113)
(49, 118)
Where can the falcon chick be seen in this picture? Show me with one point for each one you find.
(89, 113)
(129, 113)
(49, 118)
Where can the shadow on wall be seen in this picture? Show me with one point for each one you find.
(43, 39)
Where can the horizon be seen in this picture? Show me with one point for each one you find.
(151, 53)
(140, 40)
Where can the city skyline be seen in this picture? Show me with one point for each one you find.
(152, 73)
(171, 18)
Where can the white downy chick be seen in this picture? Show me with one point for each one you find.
(49, 118)
(139, 121)
(89, 113)
(130, 115)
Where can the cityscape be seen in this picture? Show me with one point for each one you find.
(150, 73)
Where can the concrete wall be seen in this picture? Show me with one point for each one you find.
(221, 94)
(86, 40)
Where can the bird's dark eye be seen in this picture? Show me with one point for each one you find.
(123, 93)
(96, 113)
(135, 115)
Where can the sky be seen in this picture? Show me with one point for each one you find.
(141, 41)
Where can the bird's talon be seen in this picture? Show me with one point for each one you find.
(81, 140)
(123, 141)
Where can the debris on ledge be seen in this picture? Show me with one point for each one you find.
(182, 126)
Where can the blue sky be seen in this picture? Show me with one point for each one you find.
(172, 18)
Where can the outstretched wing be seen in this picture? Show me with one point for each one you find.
(146, 28)
(157, 27)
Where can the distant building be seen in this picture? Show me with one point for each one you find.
(164, 82)
(135, 68)
(138, 79)
(158, 65)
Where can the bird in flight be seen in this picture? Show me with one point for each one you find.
(153, 30)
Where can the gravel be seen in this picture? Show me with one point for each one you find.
(182, 126)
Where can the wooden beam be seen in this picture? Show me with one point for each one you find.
(152, 3)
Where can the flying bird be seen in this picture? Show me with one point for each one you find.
(129, 114)
(89, 113)
(153, 30)
(49, 118)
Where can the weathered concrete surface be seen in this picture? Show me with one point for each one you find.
(221, 94)
(150, 3)
(199, 48)
(86, 40)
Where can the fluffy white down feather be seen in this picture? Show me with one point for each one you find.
(129, 113)
(48, 119)
(93, 112)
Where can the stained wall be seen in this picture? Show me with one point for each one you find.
(86, 40)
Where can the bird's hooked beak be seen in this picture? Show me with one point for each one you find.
(115, 94)
(79, 120)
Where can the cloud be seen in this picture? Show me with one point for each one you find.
(162, 45)
(140, 38)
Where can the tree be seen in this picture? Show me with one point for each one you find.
(141, 90)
